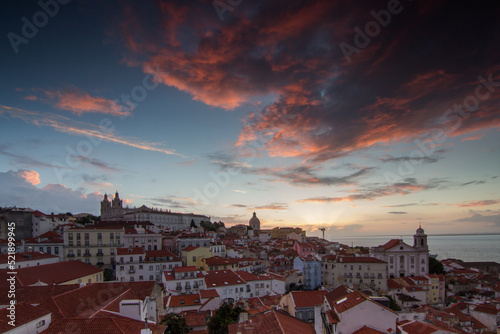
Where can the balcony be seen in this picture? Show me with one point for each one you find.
(131, 271)
(100, 263)
(100, 254)
(179, 288)
(87, 254)
(71, 255)
(188, 287)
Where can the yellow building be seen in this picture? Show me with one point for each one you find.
(284, 232)
(93, 245)
(192, 255)
(218, 263)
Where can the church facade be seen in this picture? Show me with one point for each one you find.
(113, 210)
(403, 259)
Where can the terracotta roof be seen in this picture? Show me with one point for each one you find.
(486, 308)
(218, 261)
(27, 256)
(53, 273)
(50, 234)
(391, 243)
(367, 330)
(185, 269)
(272, 322)
(222, 278)
(392, 284)
(161, 253)
(210, 293)
(37, 294)
(130, 251)
(308, 298)
(109, 325)
(190, 248)
(25, 313)
(90, 299)
(184, 300)
(418, 327)
(360, 259)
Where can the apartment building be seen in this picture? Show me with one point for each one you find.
(135, 264)
(93, 245)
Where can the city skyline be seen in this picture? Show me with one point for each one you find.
(367, 119)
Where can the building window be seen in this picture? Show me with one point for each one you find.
(70, 236)
(111, 236)
(112, 251)
(99, 235)
(78, 236)
(150, 268)
(70, 243)
(40, 324)
(56, 250)
(86, 236)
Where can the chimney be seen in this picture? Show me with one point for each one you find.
(243, 317)
(146, 331)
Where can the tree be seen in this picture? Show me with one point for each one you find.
(393, 305)
(109, 275)
(225, 315)
(176, 324)
(435, 267)
(193, 224)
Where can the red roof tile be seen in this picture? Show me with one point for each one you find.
(210, 293)
(367, 330)
(184, 300)
(220, 261)
(486, 308)
(418, 327)
(391, 243)
(185, 269)
(272, 322)
(27, 256)
(308, 298)
(25, 313)
(190, 248)
(109, 325)
(54, 273)
(221, 278)
(37, 294)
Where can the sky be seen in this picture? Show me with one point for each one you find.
(365, 118)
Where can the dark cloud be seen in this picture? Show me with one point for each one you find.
(479, 218)
(398, 212)
(51, 198)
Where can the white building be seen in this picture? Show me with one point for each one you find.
(142, 237)
(183, 280)
(355, 272)
(136, 264)
(113, 210)
(403, 259)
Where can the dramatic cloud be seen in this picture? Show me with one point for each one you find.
(19, 189)
(80, 102)
(104, 131)
(410, 185)
(326, 103)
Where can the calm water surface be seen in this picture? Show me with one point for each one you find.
(464, 247)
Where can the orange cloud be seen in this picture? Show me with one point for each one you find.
(80, 102)
(30, 175)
